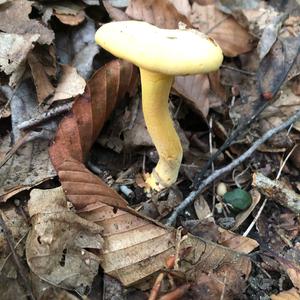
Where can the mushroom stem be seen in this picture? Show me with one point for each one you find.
(155, 94)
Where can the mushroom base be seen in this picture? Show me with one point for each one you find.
(165, 173)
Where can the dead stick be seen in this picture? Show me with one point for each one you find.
(54, 112)
(192, 196)
(20, 267)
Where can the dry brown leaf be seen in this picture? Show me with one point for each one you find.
(291, 294)
(232, 37)
(69, 13)
(195, 89)
(90, 191)
(161, 13)
(55, 246)
(44, 88)
(226, 284)
(115, 14)
(78, 131)
(237, 242)
(71, 20)
(135, 247)
(70, 85)
(15, 19)
(14, 49)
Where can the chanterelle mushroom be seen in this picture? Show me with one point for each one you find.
(161, 54)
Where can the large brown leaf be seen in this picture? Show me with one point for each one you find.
(78, 131)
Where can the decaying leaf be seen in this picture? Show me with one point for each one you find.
(55, 247)
(276, 67)
(135, 248)
(70, 85)
(115, 13)
(31, 165)
(232, 37)
(237, 242)
(14, 49)
(15, 19)
(161, 13)
(44, 87)
(280, 110)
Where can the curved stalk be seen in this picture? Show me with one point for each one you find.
(155, 94)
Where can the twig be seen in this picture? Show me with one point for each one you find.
(54, 112)
(277, 191)
(192, 196)
(20, 267)
(285, 161)
(255, 218)
(229, 141)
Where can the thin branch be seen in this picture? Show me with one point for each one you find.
(229, 141)
(255, 218)
(192, 196)
(54, 112)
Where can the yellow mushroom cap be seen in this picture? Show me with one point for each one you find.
(172, 52)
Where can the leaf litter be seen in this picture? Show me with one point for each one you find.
(48, 57)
